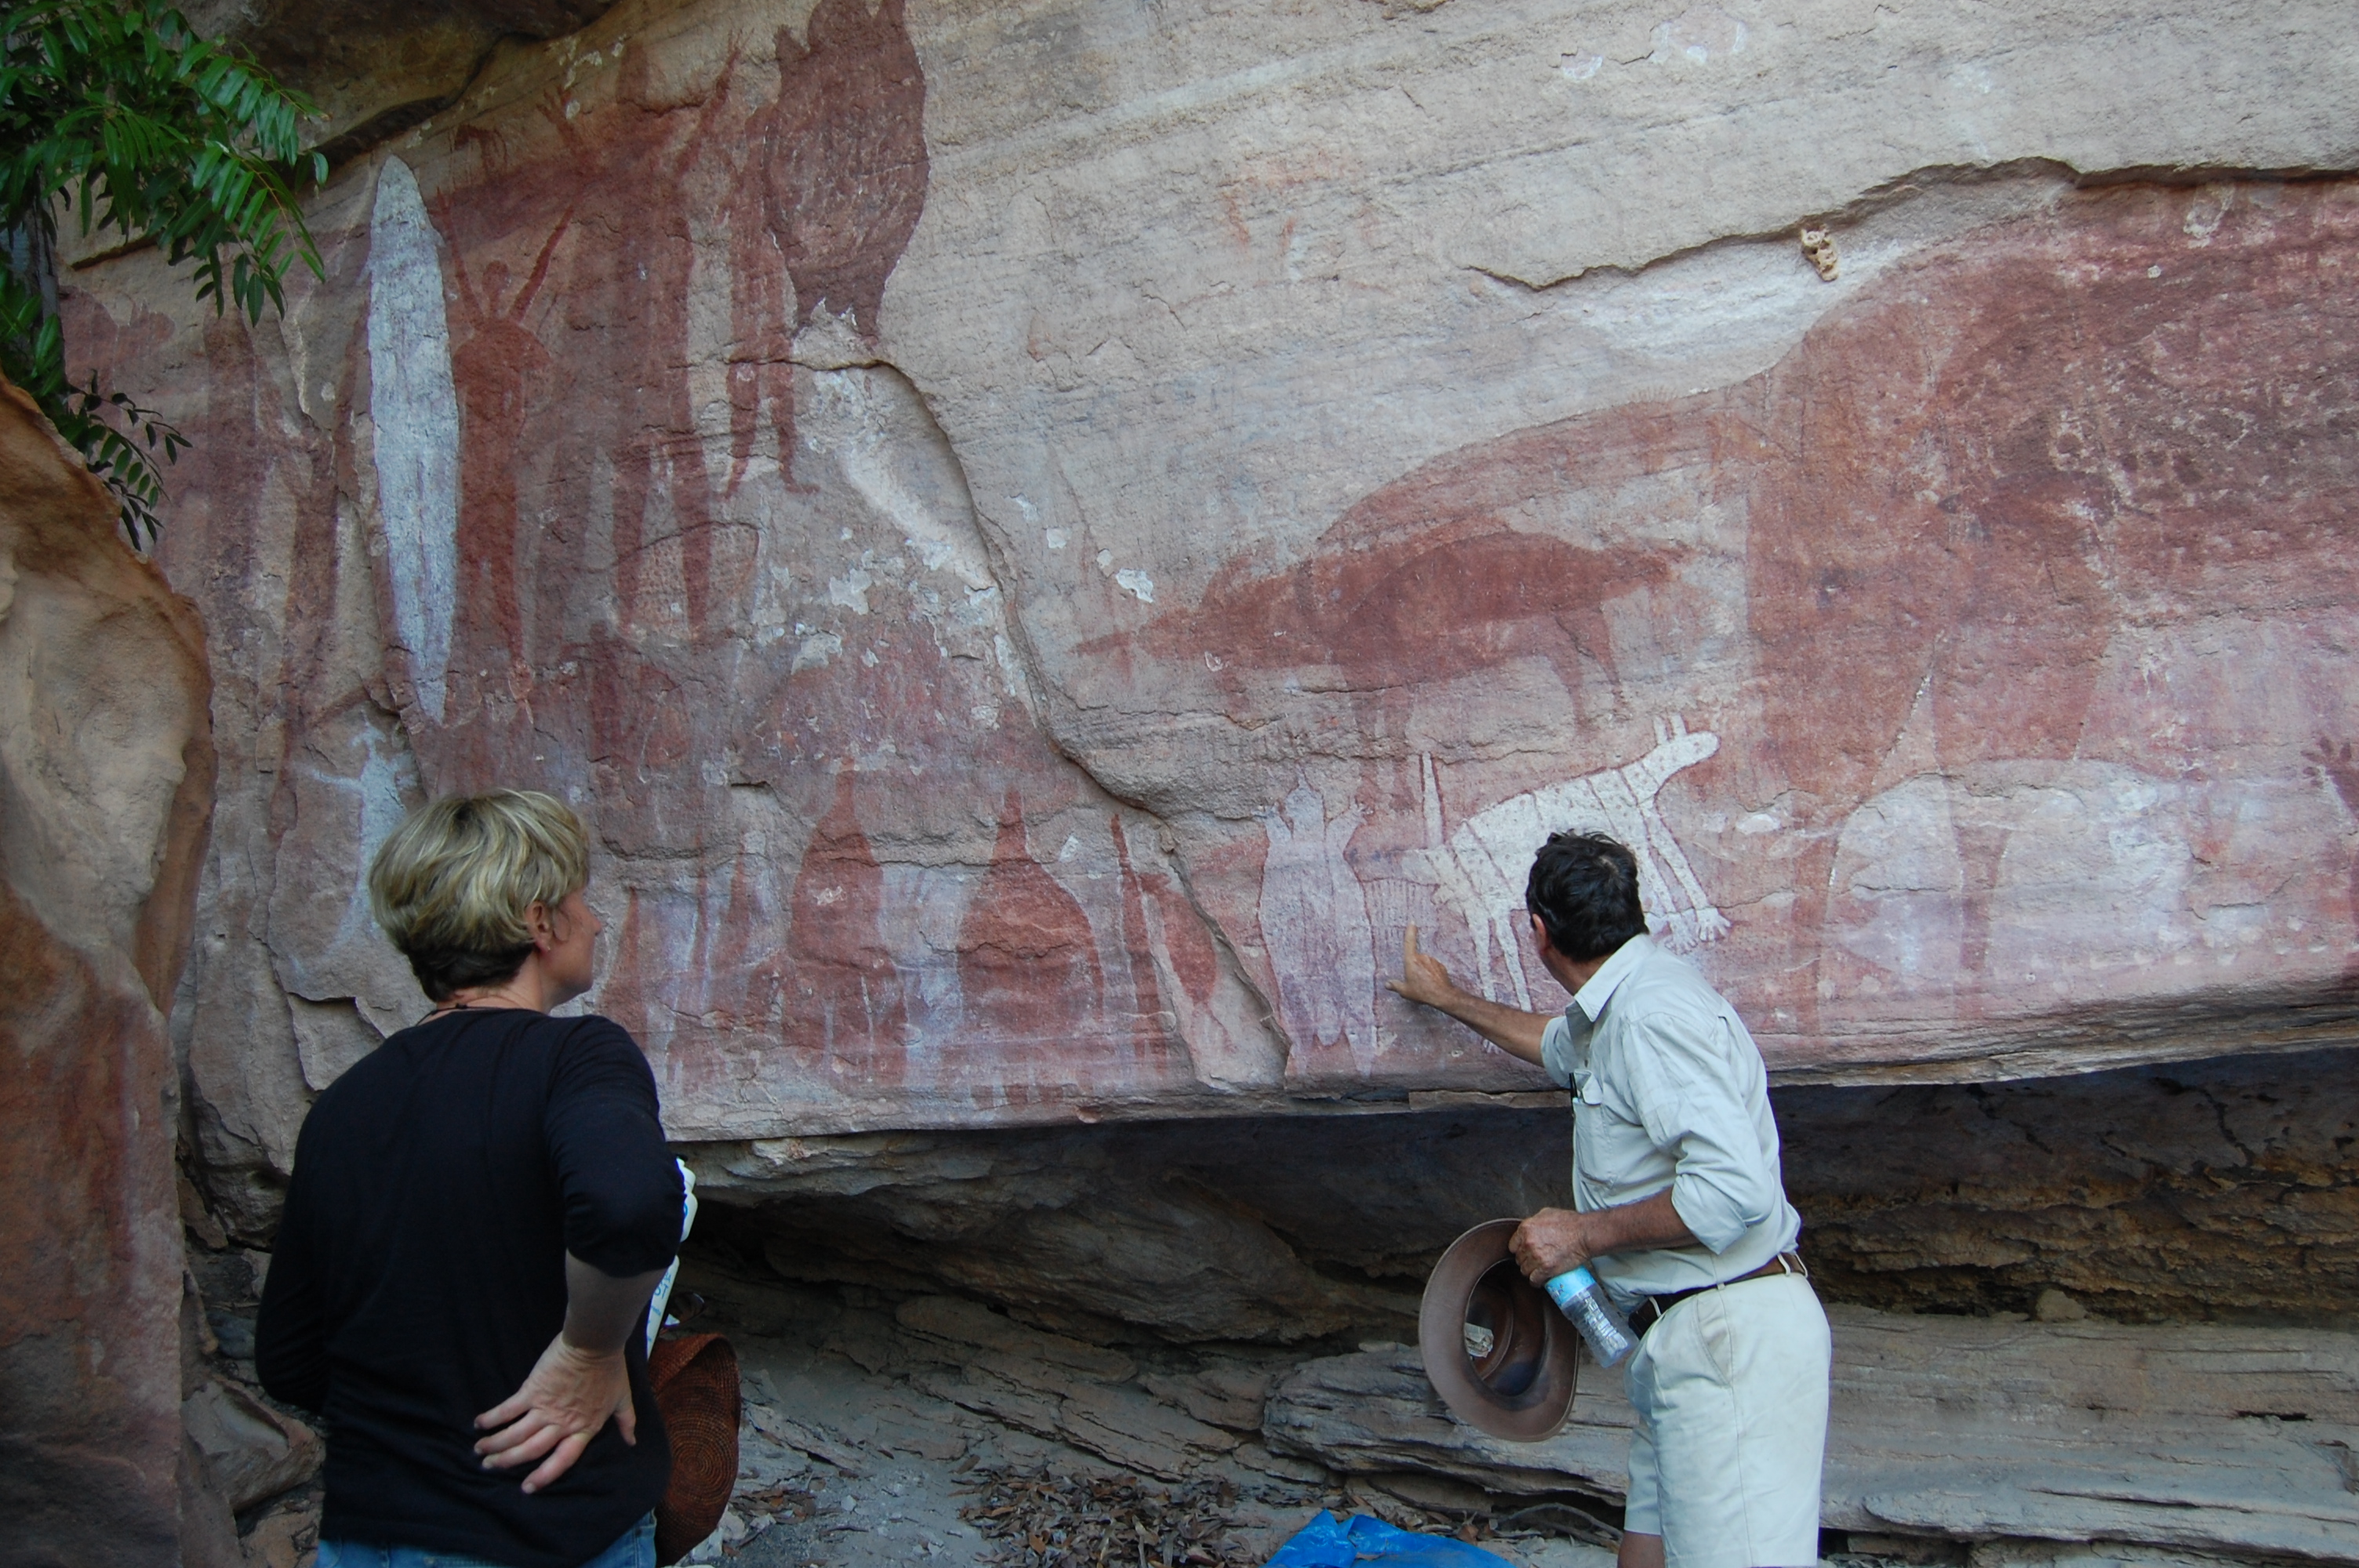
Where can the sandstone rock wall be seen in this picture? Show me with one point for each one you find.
(1044, 538)
(105, 779)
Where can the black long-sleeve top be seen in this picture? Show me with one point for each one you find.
(419, 1273)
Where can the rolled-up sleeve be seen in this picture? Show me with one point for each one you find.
(1722, 1184)
(1560, 1044)
(620, 1187)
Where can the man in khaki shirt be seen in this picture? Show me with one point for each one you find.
(1680, 1208)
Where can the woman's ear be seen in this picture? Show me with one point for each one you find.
(544, 929)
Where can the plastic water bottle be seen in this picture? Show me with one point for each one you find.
(1579, 1297)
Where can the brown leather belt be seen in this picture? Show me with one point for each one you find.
(1650, 1311)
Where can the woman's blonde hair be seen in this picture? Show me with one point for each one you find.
(452, 883)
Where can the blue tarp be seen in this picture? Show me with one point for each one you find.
(1330, 1542)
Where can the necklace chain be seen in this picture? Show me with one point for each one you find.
(479, 1004)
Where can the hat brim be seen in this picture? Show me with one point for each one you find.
(1521, 1388)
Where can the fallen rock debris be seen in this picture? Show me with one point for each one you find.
(2080, 1426)
(758, 1510)
(1050, 1522)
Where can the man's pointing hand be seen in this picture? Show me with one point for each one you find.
(1423, 980)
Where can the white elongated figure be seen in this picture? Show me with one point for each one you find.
(1314, 920)
(414, 410)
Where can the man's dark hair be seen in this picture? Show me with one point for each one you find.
(1584, 888)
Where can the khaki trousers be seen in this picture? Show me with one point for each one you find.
(1730, 1393)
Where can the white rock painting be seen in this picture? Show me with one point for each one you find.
(414, 407)
(1487, 858)
(1314, 921)
(2093, 885)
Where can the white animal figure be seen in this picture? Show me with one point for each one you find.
(1488, 858)
(1314, 921)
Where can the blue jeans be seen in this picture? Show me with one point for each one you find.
(636, 1549)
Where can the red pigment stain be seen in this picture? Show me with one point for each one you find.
(1390, 613)
(846, 996)
(842, 172)
(1147, 999)
(1027, 961)
(496, 364)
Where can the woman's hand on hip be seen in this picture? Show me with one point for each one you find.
(565, 1402)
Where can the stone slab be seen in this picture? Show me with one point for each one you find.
(2207, 1439)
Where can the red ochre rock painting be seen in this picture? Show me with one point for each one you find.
(839, 160)
(821, 188)
(2047, 569)
(495, 361)
(1989, 653)
(2078, 496)
(844, 994)
(1399, 595)
(846, 151)
(1181, 945)
(1027, 961)
(576, 228)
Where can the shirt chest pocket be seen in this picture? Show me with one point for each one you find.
(1604, 1137)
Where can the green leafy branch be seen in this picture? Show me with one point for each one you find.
(117, 113)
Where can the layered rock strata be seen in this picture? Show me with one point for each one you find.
(2235, 1442)
(106, 775)
(2220, 1190)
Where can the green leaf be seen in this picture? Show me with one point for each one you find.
(117, 109)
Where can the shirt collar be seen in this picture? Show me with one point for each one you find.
(1592, 997)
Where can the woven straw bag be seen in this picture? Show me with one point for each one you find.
(695, 1379)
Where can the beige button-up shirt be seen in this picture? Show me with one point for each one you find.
(1670, 1091)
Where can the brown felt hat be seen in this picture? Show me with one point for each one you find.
(695, 1379)
(1497, 1351)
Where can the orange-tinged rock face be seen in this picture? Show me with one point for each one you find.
(105, 780)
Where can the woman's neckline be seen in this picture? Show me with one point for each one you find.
(454, 1009)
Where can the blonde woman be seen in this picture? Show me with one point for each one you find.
(479, 1211)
